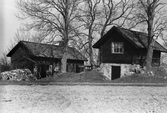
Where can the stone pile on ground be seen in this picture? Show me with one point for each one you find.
(18, 75)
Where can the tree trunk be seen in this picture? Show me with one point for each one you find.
(149, 59)
(66, 38)
(64, 63)
(151, 15)
(91, 51)
(64, 57)
(101, 35)
(98, 57)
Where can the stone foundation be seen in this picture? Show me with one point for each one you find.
(106, 69)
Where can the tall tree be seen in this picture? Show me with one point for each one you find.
(151, 12)
(89, 14)
(98, 15)
(114, 13)
(54, 20)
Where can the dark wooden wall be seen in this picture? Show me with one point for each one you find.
(108, 57)
(74, 65)
(18, 54)
(155, 60)
(18, 58)
(131, 53)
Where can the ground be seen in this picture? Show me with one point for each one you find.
(88, 92)
(82, 99)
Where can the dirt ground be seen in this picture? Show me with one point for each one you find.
(82, 99)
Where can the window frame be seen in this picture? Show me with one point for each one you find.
(117, 47)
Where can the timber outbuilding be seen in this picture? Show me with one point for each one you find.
(44, 57)
(121, 49)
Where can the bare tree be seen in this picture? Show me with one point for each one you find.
(151, 13)
(114, 13)
(53, 20)
(4, 63)
(89, 15)
(20, 35)
(98, 15)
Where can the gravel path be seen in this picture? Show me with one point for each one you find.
(82, 99)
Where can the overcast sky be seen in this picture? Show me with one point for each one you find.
(9, 23)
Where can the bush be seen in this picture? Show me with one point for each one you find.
(160, 72)
(4, 68)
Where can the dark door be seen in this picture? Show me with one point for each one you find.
(116, 72)
(43, 69)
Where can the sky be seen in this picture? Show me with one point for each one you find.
(9, 23)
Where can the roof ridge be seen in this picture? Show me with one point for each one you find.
(131, 30)
(40, 43)
(46, 44)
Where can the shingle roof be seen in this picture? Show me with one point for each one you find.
(138, 39)
(48, 50)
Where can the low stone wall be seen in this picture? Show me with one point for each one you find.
(126, 69)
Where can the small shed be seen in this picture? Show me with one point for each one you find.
(44, 57)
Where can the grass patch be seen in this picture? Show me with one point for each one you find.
(94, 77)
(90, 76)
(139, 78)
(160, 76)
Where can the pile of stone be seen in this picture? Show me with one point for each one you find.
(18, 75)
(132, 69)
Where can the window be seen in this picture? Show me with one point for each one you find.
(117, 47)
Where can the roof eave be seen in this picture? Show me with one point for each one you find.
(103, 38)
(96, 45)
(13, 49)
(165, 51)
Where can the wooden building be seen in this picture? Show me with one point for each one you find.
(44, 57)
(121, 48)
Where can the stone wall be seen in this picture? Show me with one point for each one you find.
(106, 69)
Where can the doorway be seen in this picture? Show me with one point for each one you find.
(116, 72)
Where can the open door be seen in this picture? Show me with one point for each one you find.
(116, 72)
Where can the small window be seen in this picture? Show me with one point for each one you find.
(117, 47)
